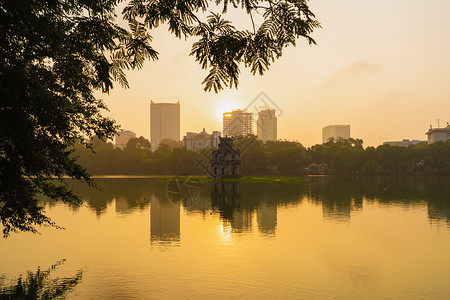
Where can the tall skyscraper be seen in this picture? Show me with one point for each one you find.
(267, 125)
(164, 122)
(335, 132)
(237, 122)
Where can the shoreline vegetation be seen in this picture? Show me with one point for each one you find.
(204, 178)
(268, 159)
(251, 179)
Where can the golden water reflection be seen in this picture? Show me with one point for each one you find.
(386, 237)
(240, 206)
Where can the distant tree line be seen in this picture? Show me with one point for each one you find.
(282, 157)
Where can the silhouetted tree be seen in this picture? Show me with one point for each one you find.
(275, 157)
(221, 47)
(139, 143)
(56, 53)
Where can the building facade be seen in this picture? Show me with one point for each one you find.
(403, 143)
(335, 132)
(123, 137)
(438, 134)
(164, 122)
(237, 122)
(266, 126)
(198, 141)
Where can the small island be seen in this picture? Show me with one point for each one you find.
(252, 179)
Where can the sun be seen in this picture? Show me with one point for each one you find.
(222, 108)
(225, 103)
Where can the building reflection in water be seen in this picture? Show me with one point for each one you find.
(267, 218)
(164, 222)
(338, 199)
(127, 205)
(241, 220)
(438, 203)
(340, 209)
(122, 205)
(342, 196)
(242, 206)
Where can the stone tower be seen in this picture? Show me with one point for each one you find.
(225, 161)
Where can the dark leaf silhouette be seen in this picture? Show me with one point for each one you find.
(39, 285)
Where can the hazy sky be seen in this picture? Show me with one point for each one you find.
(382, 67)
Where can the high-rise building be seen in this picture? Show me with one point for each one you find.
(335, 132)
(123, 137)
(226, 120)
(237, 122)
(164, 122)
(267, 125)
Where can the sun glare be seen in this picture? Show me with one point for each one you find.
(224, 105)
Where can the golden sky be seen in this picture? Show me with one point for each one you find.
(382, 67)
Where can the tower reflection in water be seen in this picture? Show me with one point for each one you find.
(246, 207)
(236, 206)
(226, 199)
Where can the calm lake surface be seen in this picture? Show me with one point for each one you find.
(336, 238)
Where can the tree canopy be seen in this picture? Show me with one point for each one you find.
(139, 143)
(220, 46)
(283, 158)
(56, 53)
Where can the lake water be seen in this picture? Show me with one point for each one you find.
(326, 238)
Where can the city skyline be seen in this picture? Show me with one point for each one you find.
(378, 77)
(335, 131)
(421, 138)
(235, 118)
